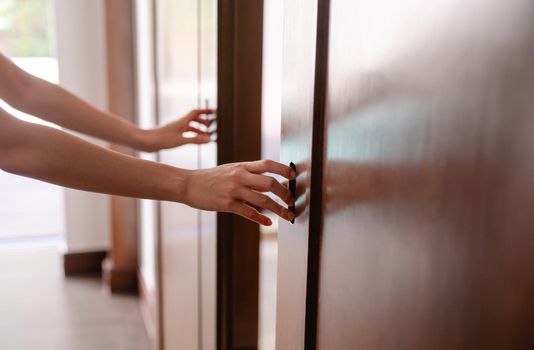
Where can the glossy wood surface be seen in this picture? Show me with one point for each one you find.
(429, 178)
(300, 18)
(239, 55)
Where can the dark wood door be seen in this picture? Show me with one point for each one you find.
(299, 51)
(427, 232)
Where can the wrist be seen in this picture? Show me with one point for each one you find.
(181, 185)
(142, 140)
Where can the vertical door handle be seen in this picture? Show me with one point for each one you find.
(293, 190)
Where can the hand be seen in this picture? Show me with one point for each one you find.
(172, 134)
(237, 187)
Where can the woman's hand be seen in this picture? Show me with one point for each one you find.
(172, 134)
(237, 187)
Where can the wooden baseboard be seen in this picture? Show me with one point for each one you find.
(85, 263)
(120, 280)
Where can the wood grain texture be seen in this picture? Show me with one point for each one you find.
(427, 240)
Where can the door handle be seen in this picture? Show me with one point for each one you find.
(293, 190)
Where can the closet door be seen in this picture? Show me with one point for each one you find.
(425, 227)
(299, 50)
(427, 237)
(177, 47)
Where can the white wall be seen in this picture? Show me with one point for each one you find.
(82, 69)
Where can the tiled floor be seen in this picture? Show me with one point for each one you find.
(40, 309)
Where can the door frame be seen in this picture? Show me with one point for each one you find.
(240, 54)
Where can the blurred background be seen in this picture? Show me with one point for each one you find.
(30, 209)
(89, 271)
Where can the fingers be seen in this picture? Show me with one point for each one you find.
(197, 112)
(206, 122)
(269, 184)
(262, 201)
(269, 166)
(198, 131)
(197, 116)
(250, 213)
(199, 139)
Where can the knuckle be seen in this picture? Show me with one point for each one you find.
(236, 172)
(229, 203)
(231, 189)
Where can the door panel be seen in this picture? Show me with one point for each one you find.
(177, 74)
(207, 159)
(300, 18)
(429, 177)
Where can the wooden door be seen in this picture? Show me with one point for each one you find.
(183, 269)
(239, 82)
(426, 237)
(299, 51)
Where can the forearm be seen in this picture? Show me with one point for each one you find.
(51, 102)
(55, 104)
(54, 156)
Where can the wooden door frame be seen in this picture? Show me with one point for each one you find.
(120, 267)
(240, 44)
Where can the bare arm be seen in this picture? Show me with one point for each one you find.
(54, 156)
(51, 102)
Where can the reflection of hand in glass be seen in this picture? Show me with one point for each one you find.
(346, 182)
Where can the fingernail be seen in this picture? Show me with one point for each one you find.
(293, 174)
(268, 222)
(291, 216)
